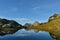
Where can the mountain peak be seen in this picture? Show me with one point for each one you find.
(36, 23)
(54, 16)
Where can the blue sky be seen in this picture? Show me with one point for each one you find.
(28, 11)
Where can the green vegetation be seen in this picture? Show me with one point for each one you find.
(52, 26)
(8, 26)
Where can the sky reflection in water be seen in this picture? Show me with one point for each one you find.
(27, 35)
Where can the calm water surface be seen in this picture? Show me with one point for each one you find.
(27, 35)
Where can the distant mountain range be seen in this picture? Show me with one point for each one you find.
(52, 26)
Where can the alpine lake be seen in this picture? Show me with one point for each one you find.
(24, 34)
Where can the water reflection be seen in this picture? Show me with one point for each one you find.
(22, 34)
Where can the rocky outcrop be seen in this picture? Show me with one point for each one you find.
(36, 23)
(4, 23)
(9, 26)
(53, 17)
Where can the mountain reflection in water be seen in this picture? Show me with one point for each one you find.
(23, 34)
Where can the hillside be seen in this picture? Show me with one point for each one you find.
(8, 26)
(52, 26)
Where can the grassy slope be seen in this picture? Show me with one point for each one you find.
(52, 27)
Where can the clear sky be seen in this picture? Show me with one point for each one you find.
(28, 11)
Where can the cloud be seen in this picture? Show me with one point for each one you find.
(23, 19)
(20, 20)
(44, 7)
(17, 19)
(36, 8)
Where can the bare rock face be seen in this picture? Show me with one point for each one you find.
(36, 23)
(53, 17)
